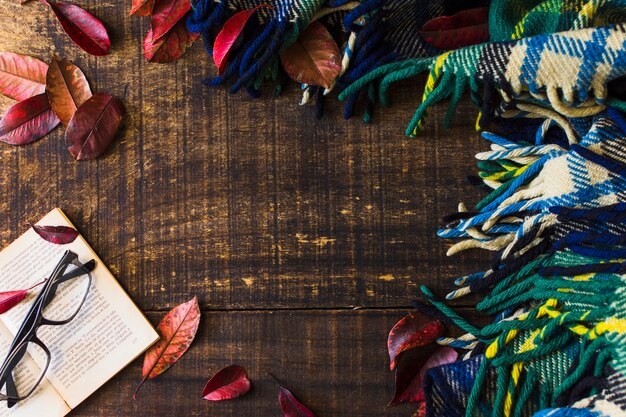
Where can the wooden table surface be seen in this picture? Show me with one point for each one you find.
(304, 240)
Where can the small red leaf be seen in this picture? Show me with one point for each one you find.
(21, 76)
(314, 58)
(60, 235)
(10, 299)
(171, 46)
(142, 7)
(83, 28)
(94, 126)
(177, 330)
(228, 383)
(28, 121)
(291, 406)
(467, 27)
(165, 14)
(225, 40)
(67, 88)
(411, 331)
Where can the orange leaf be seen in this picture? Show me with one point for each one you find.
(314, 58)
(21, 76)
(177, 330)
(67, 88)
(171, 46)
(142, 7)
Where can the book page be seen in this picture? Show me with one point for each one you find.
(45, 401)
(108, 332)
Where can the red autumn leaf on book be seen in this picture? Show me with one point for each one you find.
(9, 299)
(411, 331)
(228, 383)
(409, 383)
(60, 235)
(171, 46)
(226, 39)
(82, 27)
(21, 76)
(28, 121)
(177, 330)
(67, 88)
(94, 126)
(467, 27)
(142, 7)
(289, 404)
(314, 58)
(165, 14)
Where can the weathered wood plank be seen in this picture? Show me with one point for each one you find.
(334, 361)
(248, 203)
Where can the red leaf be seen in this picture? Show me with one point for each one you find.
(411, 331)
(94, 126)
(165, 14)
(467, 27)
(83, 28)
(142, 7)
(409, 364)
(314, 58)
(225, 40)
(21, 76)
(231, 382)
(60, 235)
(10, 299)
(171, 46)
(28, 121)
(414, 390)
(292, 407)
(67, 88)
(177, 330)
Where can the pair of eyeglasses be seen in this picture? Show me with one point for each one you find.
(59, 302)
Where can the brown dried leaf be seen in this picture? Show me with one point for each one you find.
(314, 58)
(67, 88)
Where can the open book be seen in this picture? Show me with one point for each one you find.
(107, 334)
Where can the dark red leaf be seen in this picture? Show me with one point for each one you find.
(314, 58)
(94, 126)
(67, 88)
(177, 330)
(228, 383)
(412, 331)
(171, 46)
(21, 76)
(290, 406)
(467, 27)
(414, 391)
(165, 14)
(408, 366)
(225, 40)
(28, 121)
(83, 28)
(60, 235)
(142, 7)
(10, 299)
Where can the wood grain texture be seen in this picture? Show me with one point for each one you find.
(256, 207)
(245, 202)
(335, 362)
